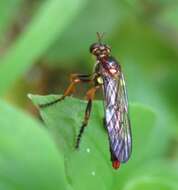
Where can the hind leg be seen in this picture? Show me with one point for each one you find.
(90, 97)
(104, 123)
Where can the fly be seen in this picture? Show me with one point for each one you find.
(108, 76)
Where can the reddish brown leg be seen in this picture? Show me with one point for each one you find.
(75, 79)
(90, 96)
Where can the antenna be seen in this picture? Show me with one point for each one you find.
(100, 36)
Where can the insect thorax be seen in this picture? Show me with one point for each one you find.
(108, 67)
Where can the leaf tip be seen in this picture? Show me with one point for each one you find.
(29, 96)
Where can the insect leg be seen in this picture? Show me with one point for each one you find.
(84, 123)
(75, 79)
(104, 123)
(90, 96)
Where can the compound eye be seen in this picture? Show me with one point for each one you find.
(95, 51)
(94, 47)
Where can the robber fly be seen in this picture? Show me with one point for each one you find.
(108, 75)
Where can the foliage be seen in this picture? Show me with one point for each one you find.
(43, 41)
(90, 165)
(29, 157)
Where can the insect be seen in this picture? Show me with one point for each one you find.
(108, 76)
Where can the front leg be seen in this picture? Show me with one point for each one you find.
(75, 79)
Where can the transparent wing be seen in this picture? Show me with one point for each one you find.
(117, 117)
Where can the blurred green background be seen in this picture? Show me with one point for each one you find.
(43, 42)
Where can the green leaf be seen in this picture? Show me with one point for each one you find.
(64, 119)
(156, 175)
(150, 182)
(92, 161)
(29, 158)
(48, 24)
